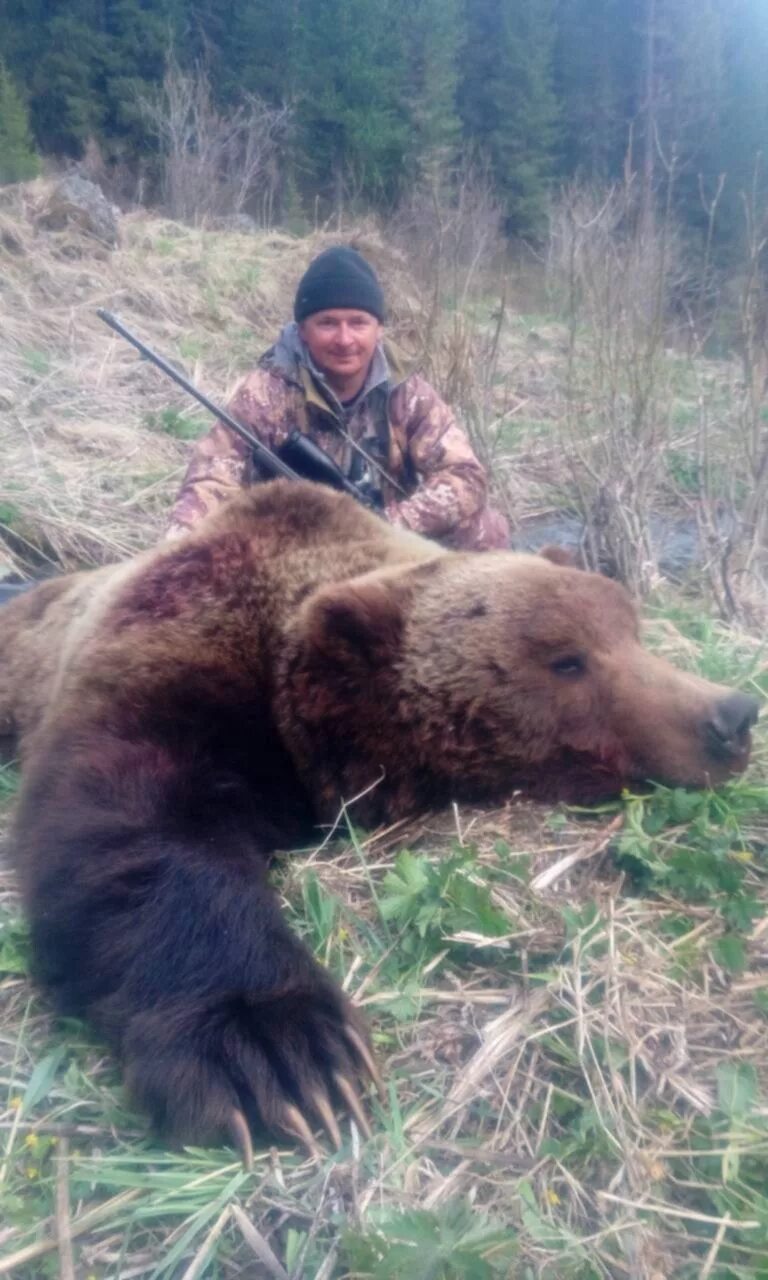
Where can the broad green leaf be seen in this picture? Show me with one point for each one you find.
(736, 1088)
(42, 1078)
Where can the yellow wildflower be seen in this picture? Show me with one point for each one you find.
(742, 855)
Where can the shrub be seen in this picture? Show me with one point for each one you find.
(18, 158)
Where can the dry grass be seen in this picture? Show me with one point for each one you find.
(572, 1009)
(93, 440)
(572, 1077)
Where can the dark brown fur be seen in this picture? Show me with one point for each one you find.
(186, 714)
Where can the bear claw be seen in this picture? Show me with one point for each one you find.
(241, 1137)
(325, 1111)
(369, 1062)
(295, 1124)
(354, 1104)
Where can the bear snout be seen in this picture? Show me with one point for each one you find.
(728, 727)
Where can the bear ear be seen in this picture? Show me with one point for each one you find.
(356, 622)
(560, 555)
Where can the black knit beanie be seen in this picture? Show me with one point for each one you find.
(339, 277)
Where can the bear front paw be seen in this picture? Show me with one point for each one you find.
(281, 1062)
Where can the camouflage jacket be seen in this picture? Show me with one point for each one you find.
(439, 486)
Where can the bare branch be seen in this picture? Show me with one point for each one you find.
(215, 165)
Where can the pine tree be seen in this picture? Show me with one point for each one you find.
(354, 127)
(18, 159)
(385, 92)
(250, 46)
(432, 34)
(507, 101)
(595, 80)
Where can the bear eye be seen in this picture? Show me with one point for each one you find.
(571, 665)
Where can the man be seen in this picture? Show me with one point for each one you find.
(328, 374)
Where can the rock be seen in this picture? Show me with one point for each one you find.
(552, 336)
(10, 238)
(76, 202)
(242, 222)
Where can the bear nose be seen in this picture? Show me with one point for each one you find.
(731, 721)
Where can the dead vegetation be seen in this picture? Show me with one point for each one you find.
(213, 164)
(572, 1009)
(645, 422)
(578, 1066)
(93, 442)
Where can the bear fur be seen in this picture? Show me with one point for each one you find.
(183, 715)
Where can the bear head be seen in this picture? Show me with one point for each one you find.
(473, 676)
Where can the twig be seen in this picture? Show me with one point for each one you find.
(259, 1245)
(690, 1215)
(546, 878)
(326, 1270)
(63, 1214)
(298, 1270)
(343, 814)
(203, 1254)
(68, 1130)
(78, 1228)
(436, 996)
(712, 1253)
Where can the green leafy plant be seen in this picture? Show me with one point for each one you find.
(176, 423)
(454, 1243)
(435, 901)
(18, 158)
(691, 844)
(14, 946)
(9, 775)
(38, 362)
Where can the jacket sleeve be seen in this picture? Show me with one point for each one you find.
(452, 486)
(221, 461)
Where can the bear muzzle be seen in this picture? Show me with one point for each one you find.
(727, 731)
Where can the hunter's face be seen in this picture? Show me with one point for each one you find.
(341, 343)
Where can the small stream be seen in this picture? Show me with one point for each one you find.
(675, 538)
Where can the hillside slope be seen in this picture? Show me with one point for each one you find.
(571, 1008)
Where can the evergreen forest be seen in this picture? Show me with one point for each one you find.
(379, 95)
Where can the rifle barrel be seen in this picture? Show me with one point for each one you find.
(264, 456)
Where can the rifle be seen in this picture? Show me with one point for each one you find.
(299, 458)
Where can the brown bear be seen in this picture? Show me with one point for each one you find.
(183, 715)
